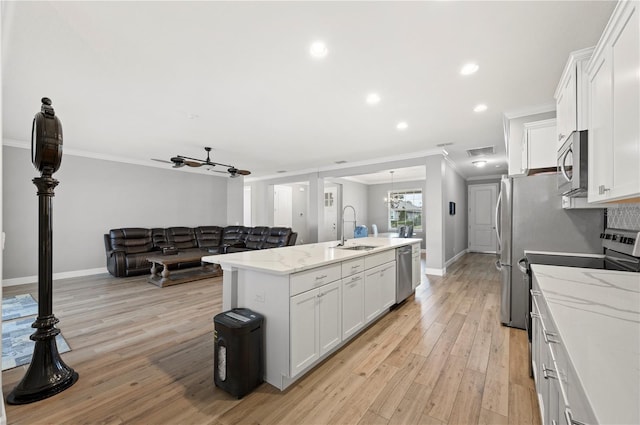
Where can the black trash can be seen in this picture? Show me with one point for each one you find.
(239, 351)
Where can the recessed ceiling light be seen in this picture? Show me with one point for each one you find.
(402, 125)
(480, 108)
(318, 49)
(469, 69)
(479, 164)
(373, 98)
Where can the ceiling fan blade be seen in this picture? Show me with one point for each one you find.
(243, 172)
(162, 160)
(193, 163)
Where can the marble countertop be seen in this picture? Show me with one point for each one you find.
(597, 313)
(292, 259)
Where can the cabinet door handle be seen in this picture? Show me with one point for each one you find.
(569, 418)
(602, 189)
(321, 277)
(548, 372)
(320, 295)
(560, 136)
(356, 278)
(535, 315)
(547, 337)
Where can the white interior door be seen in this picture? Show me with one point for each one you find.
(330, 213)
(482, 203)
(282, 206)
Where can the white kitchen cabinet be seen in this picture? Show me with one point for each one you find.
(352, 304)
(316, 324)
(304, 330)
(330, 320)
(379, 290)
(614, 127)
(539, 147)
(572, 96)
(560, 394)
(416, 273)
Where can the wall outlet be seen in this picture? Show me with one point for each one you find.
(260, 297)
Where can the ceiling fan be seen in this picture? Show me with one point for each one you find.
(180, 161)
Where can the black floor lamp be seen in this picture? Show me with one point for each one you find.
(47, 374)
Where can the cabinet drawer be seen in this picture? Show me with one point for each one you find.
(304, 281)
(380, 258)
(352, 267)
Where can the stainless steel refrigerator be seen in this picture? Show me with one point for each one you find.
(531, 218)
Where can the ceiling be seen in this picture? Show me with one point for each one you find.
(138, 80)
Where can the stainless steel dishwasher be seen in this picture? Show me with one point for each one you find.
(404, 271)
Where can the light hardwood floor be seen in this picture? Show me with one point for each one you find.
(145, 356)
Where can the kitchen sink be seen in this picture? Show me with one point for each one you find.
(358, 247)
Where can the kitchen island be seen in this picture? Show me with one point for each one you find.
(586, 344)
(314, 297)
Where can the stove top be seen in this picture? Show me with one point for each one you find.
(573, 261)
(622, 252)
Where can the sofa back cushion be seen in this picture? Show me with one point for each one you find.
(208, 236)
(131, 240)
(234, 234)
(278, 236)
(181, 237)
(256, 237)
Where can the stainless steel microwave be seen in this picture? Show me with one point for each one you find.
(572, 165)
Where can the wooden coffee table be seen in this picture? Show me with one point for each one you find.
(167, 278)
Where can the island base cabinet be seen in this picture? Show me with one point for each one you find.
(352, 304)
(379, 290)
(304, 330)
(316, 325)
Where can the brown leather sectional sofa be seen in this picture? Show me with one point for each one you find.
(128, 248)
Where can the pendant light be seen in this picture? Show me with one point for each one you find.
(392, 201)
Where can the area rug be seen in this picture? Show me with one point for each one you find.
(17, 348)
(18, 306)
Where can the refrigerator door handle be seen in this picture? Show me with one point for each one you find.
(523, 265)
(496, 218)
(498, 265)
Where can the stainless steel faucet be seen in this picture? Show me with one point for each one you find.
(343, 221)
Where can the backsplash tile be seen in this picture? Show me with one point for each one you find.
(624, 217)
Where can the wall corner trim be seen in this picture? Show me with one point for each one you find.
(435, 272)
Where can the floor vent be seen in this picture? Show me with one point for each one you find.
(489, 150)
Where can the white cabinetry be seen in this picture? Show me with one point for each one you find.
(572, 96)
(539, 147)
(352, 297)
(352, 304)
(379, 290)
(514, 132)
(560, 395)
(316, 324)
(416, 268)
(614, 127)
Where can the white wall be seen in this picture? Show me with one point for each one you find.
(456, 226)
(94, 196)
(433, 211)
(356, 195)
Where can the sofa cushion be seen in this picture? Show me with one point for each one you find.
(234, 234)
(208, 236)
(256, 237)
(137, 262)
(181, 237)
(131, 240)
(278, 236)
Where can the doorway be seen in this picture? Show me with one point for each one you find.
(482, 225)
(282, 206)
(331, 207)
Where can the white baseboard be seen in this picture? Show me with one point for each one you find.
(456, 258)
(436, 272)
(56, 276)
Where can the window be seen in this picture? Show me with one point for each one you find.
(406, 209)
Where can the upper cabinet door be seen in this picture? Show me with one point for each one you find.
(614, 126)
(572, 96)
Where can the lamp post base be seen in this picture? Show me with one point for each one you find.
(47, 375)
